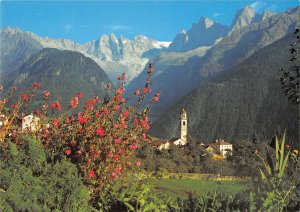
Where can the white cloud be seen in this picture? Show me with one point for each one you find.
(216, 14)
(258, 6)
(116, 27)
(68, 27)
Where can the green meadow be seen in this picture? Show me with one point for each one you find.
(183, 187)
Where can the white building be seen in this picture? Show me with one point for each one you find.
(222, 147)
(183, 129)
(2, 120)
(30, 122)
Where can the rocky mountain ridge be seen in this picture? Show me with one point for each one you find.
(178, 79)
(114, 55)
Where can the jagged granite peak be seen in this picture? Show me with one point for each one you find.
(204, 22)
(242, 18)
(203, 33)
(267, 14)
(263, 16)
(115, 55)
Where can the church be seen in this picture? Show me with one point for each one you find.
(219, 148)
(182, 140)
(183, 129)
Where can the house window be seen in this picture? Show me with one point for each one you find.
(184, 123)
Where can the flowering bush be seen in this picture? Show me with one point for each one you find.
(100, 139)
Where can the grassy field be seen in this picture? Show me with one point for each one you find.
(183, 187)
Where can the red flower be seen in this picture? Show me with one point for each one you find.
(136, 121)
(74, 102)
(144, 123)
(133, 146)
(100, 132)
(56, 105)
(114, 175)
(144, 90)
(118, 140)
(79, 95)
(55, 122)
(150, 70)
(138, 163)
(155, 98)
(14, 106)
(117, 107)
(92, 173)
(67, 120)
(136, 92)
(117, 98)
(123, 126)
(25, 97)
(118, 169)
(81, 119)
(123, 77)
(120, 151)
(126, 114)
(149, 90)
(120, 91)
(116, 158)
(157, 93)
(68, 151)
(116, 126)
(46, 93)
(105, 111)
(144, 135)
(36, 84)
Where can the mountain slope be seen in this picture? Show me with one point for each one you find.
(246, 100)
(15, 49)
(228, 52)
(62, 72)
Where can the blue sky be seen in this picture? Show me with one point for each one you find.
(83, 21)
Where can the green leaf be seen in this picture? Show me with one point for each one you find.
(150, 207)
(142, 202)
(130, 207)
(282, 152)
(276, 154)
(284, 165)
(263, 176)
(13, 149)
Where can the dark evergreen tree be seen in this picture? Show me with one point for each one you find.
(290, 78)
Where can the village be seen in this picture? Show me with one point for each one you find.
(218, 150)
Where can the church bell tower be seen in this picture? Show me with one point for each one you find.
(183, 127)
